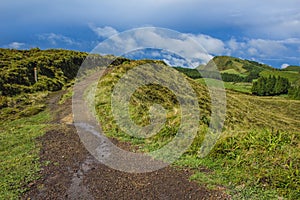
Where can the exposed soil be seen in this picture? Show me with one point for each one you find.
(70, 172)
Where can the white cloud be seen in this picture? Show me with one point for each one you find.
(267, 47)
(233, 44)
(281, 26)
(263, 49)
(15, 45)
(176, 62)
(210, 44)
(283, 66)
(184, 45)
(188, 46)
(105, 32)
(54, 39)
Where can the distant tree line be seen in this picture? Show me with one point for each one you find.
(192, 73)
(271, 86)
(226, 77)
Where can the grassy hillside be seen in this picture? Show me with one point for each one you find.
(236, 65)
(237, 73)
(241, 67)
(54, 68)
(258, 153)
(293, 76)
(292, 68)
(21, 95)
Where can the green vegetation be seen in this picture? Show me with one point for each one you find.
(271, 86)
(294, 92)
(292, 68)
(258, 164)
(54, 67)
(19, 153)
(257, 155)
(22, 105)
(236, 71)
(294, 78)
(192, 73)
(69, 93)
(237, 66)
(241, 87)
(21, 95)
(226, 77)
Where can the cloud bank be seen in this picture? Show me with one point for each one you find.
(260, 50)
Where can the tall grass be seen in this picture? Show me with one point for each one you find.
(257, 156)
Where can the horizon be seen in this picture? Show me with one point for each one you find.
(151, 58)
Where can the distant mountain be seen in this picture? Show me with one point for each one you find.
(232, 65)
(292, 68)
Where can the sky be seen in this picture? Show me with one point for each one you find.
(266, 31)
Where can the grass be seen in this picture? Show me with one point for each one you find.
(257, 156)
(258, 164)
(19, 153)
(69, 93)
(238, 87)
(233, 71)
(23, 105)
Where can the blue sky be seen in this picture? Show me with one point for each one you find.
(267, 31)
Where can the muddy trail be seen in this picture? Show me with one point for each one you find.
(70, 172)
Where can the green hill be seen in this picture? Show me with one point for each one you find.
(239, 74)
(54, 68)
(227, 64)
(259, 140)
(292, 68)
(21, 95)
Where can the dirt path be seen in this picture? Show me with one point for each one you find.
(70, 172)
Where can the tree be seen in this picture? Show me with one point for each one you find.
(282, 85)
(271, 86)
